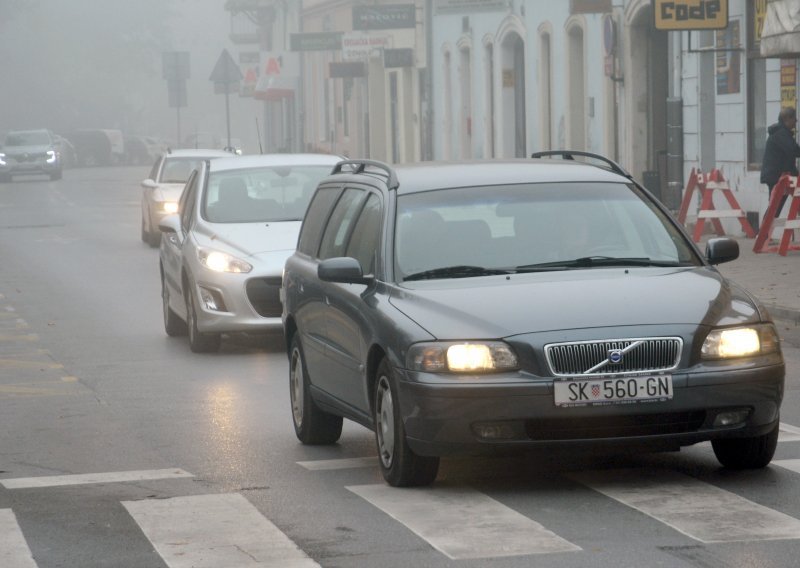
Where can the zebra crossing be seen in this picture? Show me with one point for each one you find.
(457, 521)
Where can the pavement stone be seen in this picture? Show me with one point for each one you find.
(772, 278)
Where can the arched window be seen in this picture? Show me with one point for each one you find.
(576, 85)
(545, 87)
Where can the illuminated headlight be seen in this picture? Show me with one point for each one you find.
(465, 357)
(222, 262)
(168, 207)
(51, 157)
(2, 159)
(740, 342)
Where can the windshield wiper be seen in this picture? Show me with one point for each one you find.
(604, 261)
(460, 271)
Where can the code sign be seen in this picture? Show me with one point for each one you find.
(690, 14)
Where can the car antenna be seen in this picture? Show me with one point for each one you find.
(258, 133)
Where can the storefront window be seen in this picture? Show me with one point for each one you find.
(756, 88)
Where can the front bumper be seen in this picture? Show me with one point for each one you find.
(445, 417)
(29, 167)
(245, 303)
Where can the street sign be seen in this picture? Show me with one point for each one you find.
(388, 17)
(226, 71)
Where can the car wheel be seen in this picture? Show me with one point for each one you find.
(746, 453)
(400, 466)
(311, 425)
(198, 342)
(173, 325)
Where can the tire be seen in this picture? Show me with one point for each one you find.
(173, 325)
(311, 425)
(400, 466)
(746, 453)
(198, 342)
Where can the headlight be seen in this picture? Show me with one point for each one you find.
(51, 156)
(222, 262)
(463, 357)
(740, 342)
(2, 159)
(168, 207)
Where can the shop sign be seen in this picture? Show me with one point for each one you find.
(690, 14)
(463, 6)
(589, 6)
(388, 17)
(357, 46)
(398, 57)
(789, 83)
(347, 69)
(759, 15)
(316, 41)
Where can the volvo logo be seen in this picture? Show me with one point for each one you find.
(615, 356)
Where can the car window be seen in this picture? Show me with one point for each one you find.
(336, 232)
(512, 226)
(363, 245)
(314, 222)
(265, 194)
(177, 170)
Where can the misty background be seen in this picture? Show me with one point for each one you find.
(71, 64)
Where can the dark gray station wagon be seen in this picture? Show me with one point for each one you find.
(460, 308)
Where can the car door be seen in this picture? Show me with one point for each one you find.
(172, 248)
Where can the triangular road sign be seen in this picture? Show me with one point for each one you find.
(226, 70)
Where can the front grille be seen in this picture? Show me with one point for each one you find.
(22, 158)
(614, 426)
(589, 358)
(264, 296)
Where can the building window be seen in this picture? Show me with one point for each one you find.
(756, 87)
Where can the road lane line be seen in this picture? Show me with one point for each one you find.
(463, 523)
(89, 478)
(209, 531)
(348, 463)
(697, 509)
(14, 549)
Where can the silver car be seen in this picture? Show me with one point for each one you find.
(163, 187)
(30, 152)
(222, 256)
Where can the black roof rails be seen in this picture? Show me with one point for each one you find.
(361, 166)
(570, 155)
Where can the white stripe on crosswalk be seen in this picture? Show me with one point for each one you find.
(209, 531)
(348, 463)
(14, 550)
(88, 478)
(695, 508)
(788, 433)
(463, 523)
(792, 465)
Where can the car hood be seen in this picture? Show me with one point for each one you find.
(252, 239)
(168, 191)
(36, 149)
(500, 306)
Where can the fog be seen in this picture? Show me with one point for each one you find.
(98, 64)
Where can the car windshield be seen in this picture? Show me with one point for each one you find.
(275, 193)
(477, 231)
(177, 170)
(33, 138)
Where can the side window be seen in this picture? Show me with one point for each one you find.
(188, 200)
(364, 243)
(154, 171)
(344, 214)
(315, 219)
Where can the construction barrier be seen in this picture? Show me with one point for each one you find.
(786, 186)
(707, 184)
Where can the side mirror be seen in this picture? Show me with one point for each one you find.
(170, 225)
(342, 269)
(721, 250)
(149, 184)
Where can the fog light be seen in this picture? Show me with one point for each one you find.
(494, 430)
(212, 300)
(731, 417)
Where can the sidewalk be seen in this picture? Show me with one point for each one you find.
(772, 278)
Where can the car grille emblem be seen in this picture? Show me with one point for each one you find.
(615, 356)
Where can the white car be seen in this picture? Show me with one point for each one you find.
(163, 187)
(222, 256)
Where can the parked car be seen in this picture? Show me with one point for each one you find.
(66, 150)
(162, 188)
(30, 152)
(98, 147)
(222, 257)
(481, 306)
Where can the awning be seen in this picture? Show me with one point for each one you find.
(275, 87)
(780, 36)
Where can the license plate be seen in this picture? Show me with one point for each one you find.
(620, 390)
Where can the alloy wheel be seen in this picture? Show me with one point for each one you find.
(297, 379)
(385, 427)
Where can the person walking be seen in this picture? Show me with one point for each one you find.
(781, 151)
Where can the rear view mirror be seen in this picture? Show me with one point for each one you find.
(721, 250)
(149, 184)
(342, 269)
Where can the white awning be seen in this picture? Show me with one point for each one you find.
(780, 36)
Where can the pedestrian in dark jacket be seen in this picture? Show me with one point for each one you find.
(781, 151)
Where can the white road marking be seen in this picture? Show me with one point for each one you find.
(788, 433)
(699, 510)
(209, 531)
(87, 478)
(791, 465)
(463, 523)
(350, 463)
(14, 550)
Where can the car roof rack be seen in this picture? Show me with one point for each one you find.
(361, 166)
(570, 155)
